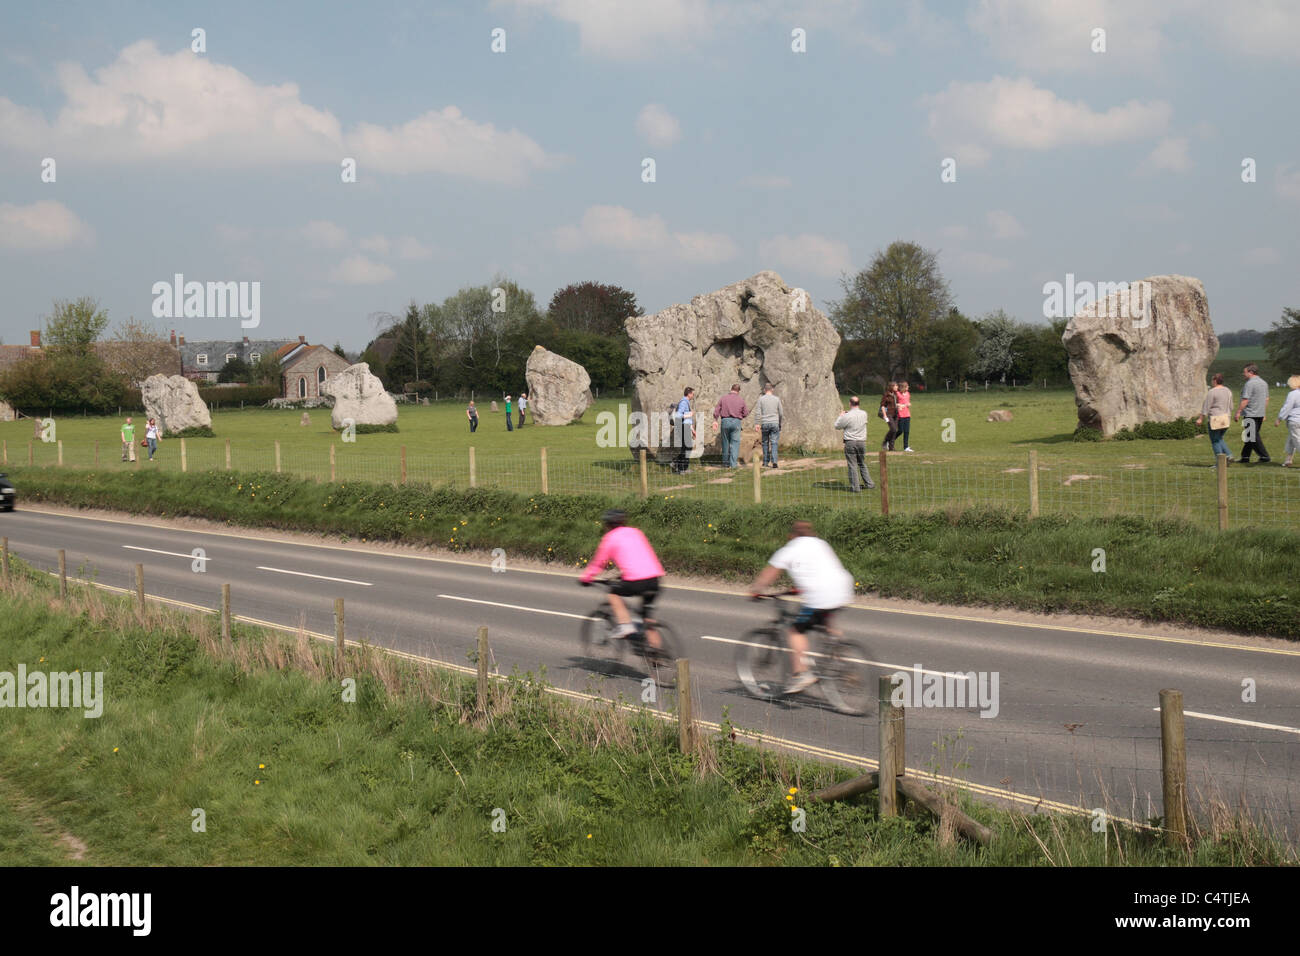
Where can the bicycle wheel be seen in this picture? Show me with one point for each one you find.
(661, 662)
(763, 663)
(597, 636)
(848, 677)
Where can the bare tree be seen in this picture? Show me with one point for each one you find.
(138, 350)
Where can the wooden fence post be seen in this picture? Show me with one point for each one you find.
(4, 548)
(225, 616)
(685, 707)
(30, 458)
(758, 480)
(63, 573)
(884, 484)
(277, 457)
(60, 443)
(1173, 766)
(482, 669)
(338, 631)
(1033, 483)
(645, 478)
(888, 755)
(228, 454)
(1221, 463)
(139, 589)
(331, 464)
(403, 464)
(473, 474)
(546, 484)
(184, 460)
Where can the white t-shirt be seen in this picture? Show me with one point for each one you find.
(816, 572)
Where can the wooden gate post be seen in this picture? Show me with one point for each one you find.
(1033, 483)
(473, 474)
(63, 573)
(228, 454)
(139, 589)
(338, 631)
(277, 457)
(331, 463)
(546, 484)
(184, 460)
(1173, 766)
(1221, 463)
(685, 707)
(645, 478)
(403, 464)
(758, 479)
(889, 760)
(225, 615)
(483, 653)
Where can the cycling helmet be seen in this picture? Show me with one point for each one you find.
(614, 518)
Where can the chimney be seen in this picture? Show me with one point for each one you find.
(302, 339)
(173, 336)
(36, 339)
(245, 341)
(182, 340)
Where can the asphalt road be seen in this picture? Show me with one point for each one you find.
(1076, 720)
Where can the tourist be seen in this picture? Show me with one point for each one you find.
(889, 412)
(1254, 400)
(684, 431)
(854, 425)
(731, 410)
(151, 437)
(509, 427)
(128, 440)
(1290, 414)
(905, 414)
(771, 416)
(523, 407)
(1218, 406)
(472, 414)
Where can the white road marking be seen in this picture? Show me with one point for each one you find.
(517, 607)
(322, 577)
(853, 660)
(1235, 720)
(174, 554)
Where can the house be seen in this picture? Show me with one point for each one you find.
(11, 355)
(203, 361)
(304, 368)
(137, 361)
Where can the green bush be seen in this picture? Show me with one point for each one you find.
(371, 429)
(210, 395)
(196, 431)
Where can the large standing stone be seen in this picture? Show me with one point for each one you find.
(360, 396)
(1142, 354)
(174, 401)
(559, 390)
(753, 332)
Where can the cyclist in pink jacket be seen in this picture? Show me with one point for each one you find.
(639, 571)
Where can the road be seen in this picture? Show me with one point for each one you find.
(1076, 720)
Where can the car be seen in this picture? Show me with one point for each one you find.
(7, 494)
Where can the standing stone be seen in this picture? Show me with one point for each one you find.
(360, 396)
(559, 390)
(6, 412)
(753, 332)
(1141, 354)
(305, 420)
(174, 401)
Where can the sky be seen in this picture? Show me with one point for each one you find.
(511, 137)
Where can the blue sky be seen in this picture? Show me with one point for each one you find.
(225, 165)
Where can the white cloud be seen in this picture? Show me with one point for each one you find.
(148, 105)
(379, 245)
(1287, 180)
(1040, 35)
(233, 234)
(323, 234)
(1004, 225)
(968, 118)
(618, 228)
(358, 270)
(657, 126)
(807, 253)
(1169, 155)
(981, 262)
(1254, 28)
(954, 232)
(42, 226)
(404, 247)
(1262, 256)
(766, 181)
(631, 29)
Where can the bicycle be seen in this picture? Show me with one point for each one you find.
(598, 639)
(843, 665)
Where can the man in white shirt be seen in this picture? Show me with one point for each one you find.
(824, 587)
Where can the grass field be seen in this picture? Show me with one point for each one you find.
(985, 465)
(250, 754)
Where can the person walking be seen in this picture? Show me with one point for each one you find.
(731, 411)
(771, 416)
(128, 440)
(1290, 414)
(854, 425)
(151, 436)
(889, 412)
(472, 414)
(509, 427)
(1254, 401)
(1218, 406)
(523, 407)
(905, 414)
(684, 431)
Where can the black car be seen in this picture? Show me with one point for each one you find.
(6, 493)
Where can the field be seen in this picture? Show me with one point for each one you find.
(984, 463)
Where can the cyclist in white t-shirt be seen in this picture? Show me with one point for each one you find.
(824, 587)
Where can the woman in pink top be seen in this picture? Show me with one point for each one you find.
(639, 571)
(905, 415)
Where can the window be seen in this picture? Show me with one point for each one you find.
(302, 388)
(254, 357)
(231, 356)
(202, 358)
(320, 375)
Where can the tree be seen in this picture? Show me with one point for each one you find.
(892, 304)
(236, 370)
(950, 348)
(266, 370)
(338, 350)
(412, 347)
(1282, 341)
(138, 350)
(593, 307)
(995, 352)
(488, 328)
(75, 325)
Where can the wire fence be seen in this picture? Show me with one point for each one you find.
(1204, 494)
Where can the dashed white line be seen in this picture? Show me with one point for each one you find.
(322, 577)
(175, 554)
(853, 660)
(1236, 720)
(515, 607)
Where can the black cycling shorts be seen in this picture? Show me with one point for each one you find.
(810, 617)
(647, 589)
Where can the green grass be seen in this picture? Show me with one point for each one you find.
(257, 735)
(1159, 570)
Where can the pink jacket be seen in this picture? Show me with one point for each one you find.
(628, 548)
